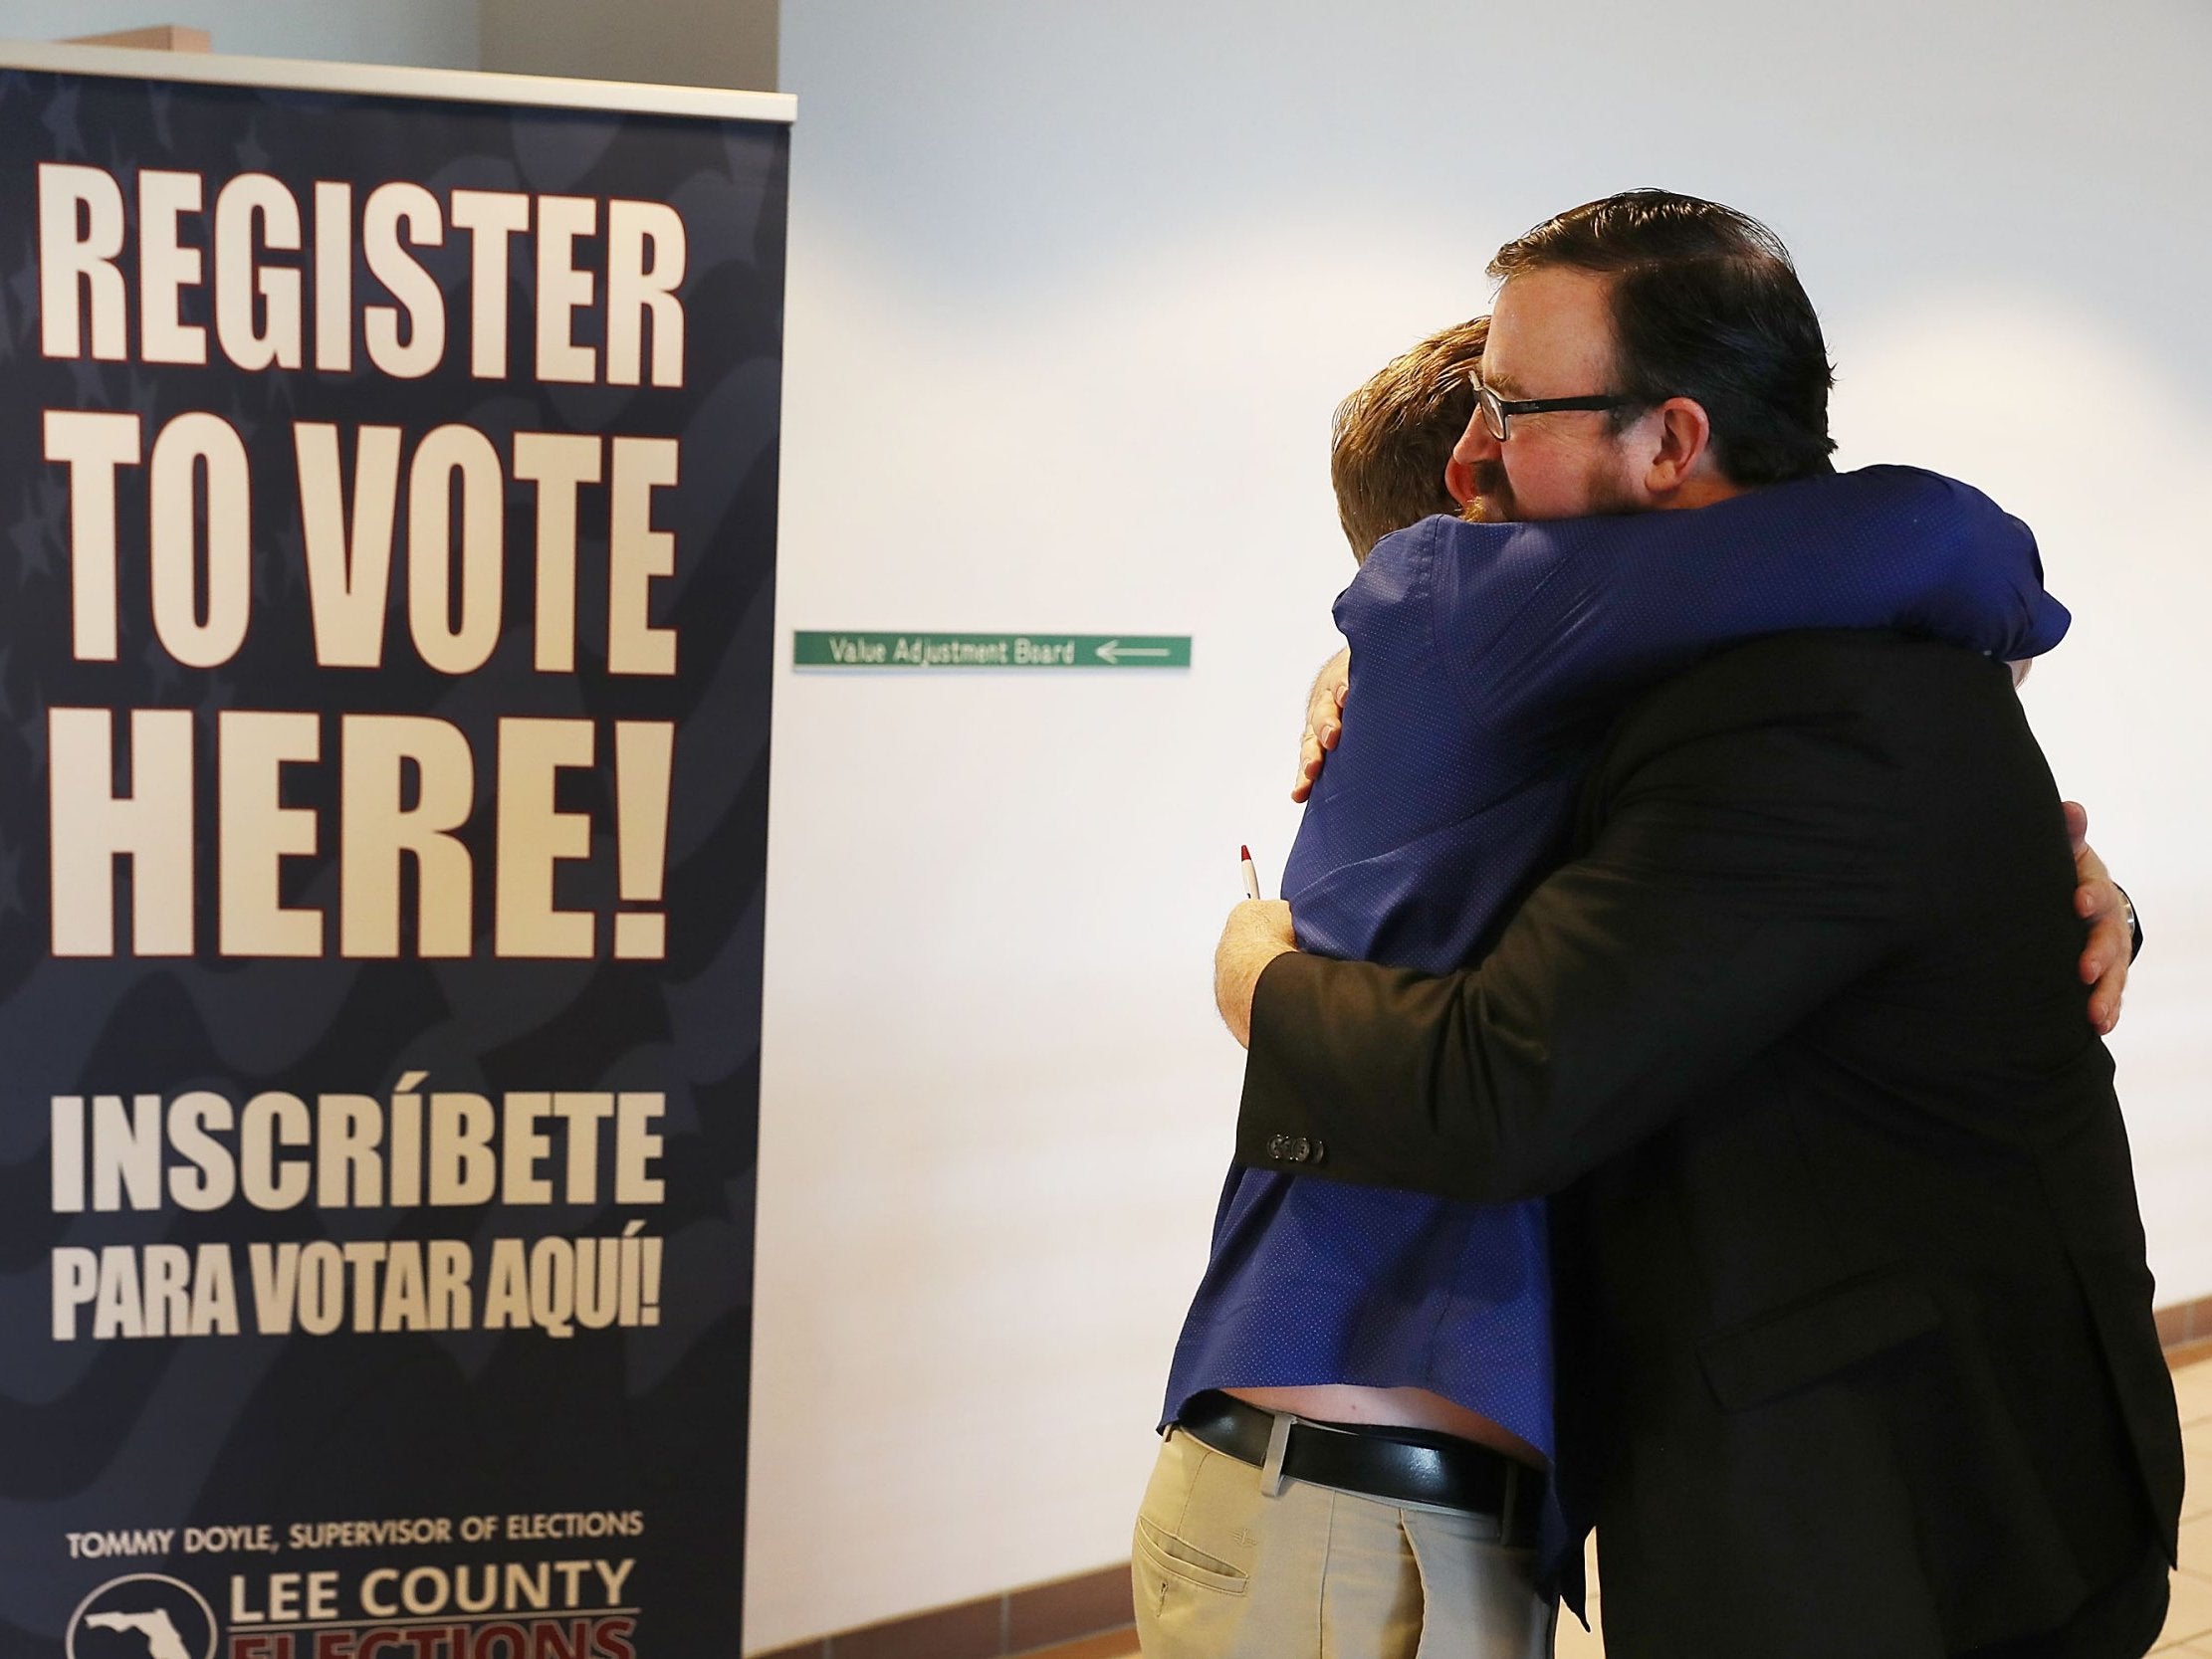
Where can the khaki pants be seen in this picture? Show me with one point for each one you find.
(1225, 1572)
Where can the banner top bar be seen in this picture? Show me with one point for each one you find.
(387, 80)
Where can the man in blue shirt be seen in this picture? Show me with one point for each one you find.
(1488, 658)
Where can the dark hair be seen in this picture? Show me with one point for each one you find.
(1705, 305)
(1391, 439)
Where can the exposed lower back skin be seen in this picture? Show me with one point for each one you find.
(1339, 1403)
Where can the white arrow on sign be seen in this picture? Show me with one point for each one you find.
(1112, 651)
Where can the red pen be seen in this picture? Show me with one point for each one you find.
(1251, 876)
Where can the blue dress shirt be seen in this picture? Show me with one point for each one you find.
(1488, 661)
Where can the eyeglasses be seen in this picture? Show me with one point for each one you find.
(1498, 412)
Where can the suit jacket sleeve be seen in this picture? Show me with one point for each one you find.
(1749, 855)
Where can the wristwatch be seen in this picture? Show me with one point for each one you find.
(2134, 928)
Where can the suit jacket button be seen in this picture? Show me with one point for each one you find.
(1301, 1149)
(1280, 1146)
(1320, 1150)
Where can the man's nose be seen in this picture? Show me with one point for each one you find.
(1475, 446)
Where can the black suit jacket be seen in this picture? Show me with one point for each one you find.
(1857, 1355)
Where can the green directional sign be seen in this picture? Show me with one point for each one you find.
(850, 648)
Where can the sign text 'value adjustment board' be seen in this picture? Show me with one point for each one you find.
(853, 649)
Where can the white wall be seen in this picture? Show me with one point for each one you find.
(1073, 291)
(430, 34)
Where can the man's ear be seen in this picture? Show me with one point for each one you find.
(1681, 439)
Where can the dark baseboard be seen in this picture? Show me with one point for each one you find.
(1089, 1616)
(2185, 1323)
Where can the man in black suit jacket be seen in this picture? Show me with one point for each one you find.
(1857, 1342)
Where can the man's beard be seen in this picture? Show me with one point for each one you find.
(1492, 501)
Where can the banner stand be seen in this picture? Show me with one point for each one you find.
(389, 465)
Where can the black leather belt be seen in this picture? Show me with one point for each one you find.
(1396, 1465)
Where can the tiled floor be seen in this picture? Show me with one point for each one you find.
(2188, 1629)
(2189, 1622)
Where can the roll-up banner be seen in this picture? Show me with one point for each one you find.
(388, 485)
